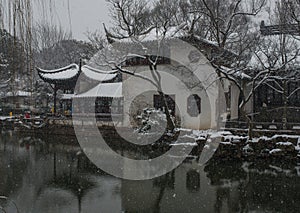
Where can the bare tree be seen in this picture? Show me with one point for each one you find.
(96, 39)
(16, 17)
(293, 9)
(46, 35)
(225, 23)
(131, 17)
(281, 54)
(274, 63)
(65, 52)
(18, 24)
(228, 18)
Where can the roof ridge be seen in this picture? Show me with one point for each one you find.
(57, 70)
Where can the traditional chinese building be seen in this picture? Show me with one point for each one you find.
(278, 98)
(66, 78)
(191, 87)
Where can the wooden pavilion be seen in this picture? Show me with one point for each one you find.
(66, 78)
(61, 79)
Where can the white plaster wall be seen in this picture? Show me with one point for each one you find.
(203, 70)
(132, 87)
(235, 93)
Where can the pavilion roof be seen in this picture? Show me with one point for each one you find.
(98, 75)
(68, 73)
(66, 77)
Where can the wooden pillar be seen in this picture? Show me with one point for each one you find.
(55, 97)
(285, 102)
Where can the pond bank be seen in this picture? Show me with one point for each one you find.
(225, 144)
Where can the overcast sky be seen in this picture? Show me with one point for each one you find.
(88, 15)
(85, 15)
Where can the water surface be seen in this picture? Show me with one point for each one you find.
(43, 175)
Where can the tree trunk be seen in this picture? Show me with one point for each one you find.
(170, 122)
(249, 122)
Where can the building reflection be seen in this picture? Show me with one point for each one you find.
(218, 187)
(193, 181)
(185, 189)
(50, 176)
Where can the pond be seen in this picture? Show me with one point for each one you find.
(45, 175)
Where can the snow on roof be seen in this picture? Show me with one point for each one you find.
(98, 75)
(60, 74)
(159, 34)
(67, 96)
(113, 90)
(19, 94)
(66, 68)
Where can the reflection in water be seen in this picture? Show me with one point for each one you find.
(193, 180)
(47, 176)
(43, 177)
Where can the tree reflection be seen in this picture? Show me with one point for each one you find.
(193, 181)
(253, 188)
(41, 175)
(77, 185)
(29, 167)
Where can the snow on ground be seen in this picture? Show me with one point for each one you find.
(284, 144)
(3, 118)
(273, 151)
(229, 137)
(184, 144)
(265, 138)
(213, 138)
(227, 143)
(286, 136)
(209, 133)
